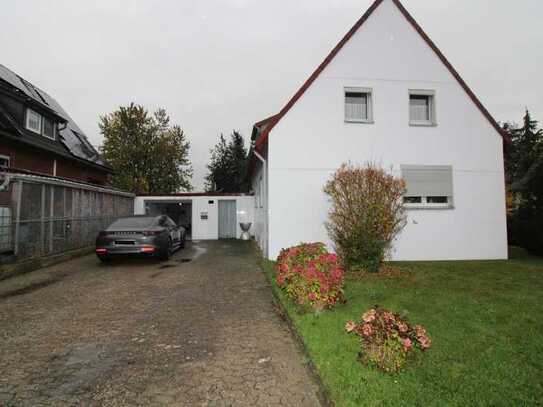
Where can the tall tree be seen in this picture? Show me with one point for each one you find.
(525, 146)
(228, 165)
(147, 153)
(524, 165)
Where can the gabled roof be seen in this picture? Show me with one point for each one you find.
(261, 126)
(275, 119)
(72, 138)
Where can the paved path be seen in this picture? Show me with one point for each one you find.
(189, 333)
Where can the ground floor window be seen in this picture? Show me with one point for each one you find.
(428, 186)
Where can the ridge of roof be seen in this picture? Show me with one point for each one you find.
(276, 118)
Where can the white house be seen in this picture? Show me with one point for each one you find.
(385, 94)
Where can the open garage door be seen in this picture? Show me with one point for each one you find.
(179, 211)
(227, 219)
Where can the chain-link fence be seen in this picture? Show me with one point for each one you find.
(41, 216)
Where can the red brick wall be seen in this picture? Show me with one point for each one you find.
(28, 158)
(74, 170)
(35, 160)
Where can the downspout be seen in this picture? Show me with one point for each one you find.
(265, 178)
(5, 184)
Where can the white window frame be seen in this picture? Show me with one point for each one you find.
(43, 128)
(37, 131)
(369, 100)
(424, 204)
(5, 158)
(431, 94)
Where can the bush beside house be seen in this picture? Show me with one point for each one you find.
(367, 214)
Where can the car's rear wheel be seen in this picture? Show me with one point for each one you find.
(167, 253)
(182, 244)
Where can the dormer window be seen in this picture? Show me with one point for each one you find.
(33, 121)
(48, 128)
(38, 124)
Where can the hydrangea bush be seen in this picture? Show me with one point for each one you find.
(310, 275)
(388, 339)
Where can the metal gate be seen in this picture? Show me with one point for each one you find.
(5, 229)
(40, 216)
(227, 219)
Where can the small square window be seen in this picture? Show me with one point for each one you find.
(33, 121)
(358, 105)
(422, 108)
(48, 128)
(4, 161)
(210, 202)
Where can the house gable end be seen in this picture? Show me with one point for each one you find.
(342, 45)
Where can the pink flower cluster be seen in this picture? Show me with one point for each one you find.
(311, 275)
(379, 326)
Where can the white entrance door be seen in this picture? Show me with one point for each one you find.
(227, 219)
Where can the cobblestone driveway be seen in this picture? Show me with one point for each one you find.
(198, 333)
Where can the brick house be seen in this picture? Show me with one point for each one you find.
(38, 136)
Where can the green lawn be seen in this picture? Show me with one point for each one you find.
(485, 320)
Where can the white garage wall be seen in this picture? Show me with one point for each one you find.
(205, 229)
(312, 140)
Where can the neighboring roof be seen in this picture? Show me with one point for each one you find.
(72, 137)
(275, 119)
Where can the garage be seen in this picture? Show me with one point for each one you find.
(204, 216)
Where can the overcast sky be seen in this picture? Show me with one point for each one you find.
(218, 65)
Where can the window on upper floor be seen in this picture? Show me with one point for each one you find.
(33, 121)
(48, 128)
(39, 124)
(4, 161)
(422, 111)
(428, 186)
(358, 105)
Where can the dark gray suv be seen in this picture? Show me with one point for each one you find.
(157, 236)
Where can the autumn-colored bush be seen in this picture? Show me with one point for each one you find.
(388, 339)
(367, 213)
(310, 275)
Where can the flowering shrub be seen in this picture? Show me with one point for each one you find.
(367, 214)
(310, 275)
(387, 339)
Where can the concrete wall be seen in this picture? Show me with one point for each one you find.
(205, 229)
(312, 140)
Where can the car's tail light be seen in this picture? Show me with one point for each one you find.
(147, 249)
(101, 250)
(151, 232)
